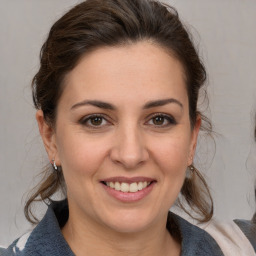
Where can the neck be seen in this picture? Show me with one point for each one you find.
(87, 238)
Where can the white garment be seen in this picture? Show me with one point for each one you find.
(229, 237)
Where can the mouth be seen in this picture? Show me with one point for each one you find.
(128, 190)
(127, 187)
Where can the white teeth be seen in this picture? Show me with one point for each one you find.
(133, 187)
(117, 186)
(126, 187)
(140, 185)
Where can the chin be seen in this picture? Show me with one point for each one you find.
(129, 222)
(129, 227)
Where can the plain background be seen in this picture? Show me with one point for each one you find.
(225, 32)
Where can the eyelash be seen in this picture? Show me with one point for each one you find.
(167, 118)
(84, 121)
(170, 120)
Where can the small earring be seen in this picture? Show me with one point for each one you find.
(54, 165)
(191, 168)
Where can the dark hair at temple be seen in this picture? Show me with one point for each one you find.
(107, 23)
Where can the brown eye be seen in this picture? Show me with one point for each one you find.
(158, 120)
(96, 120)
(161, 120)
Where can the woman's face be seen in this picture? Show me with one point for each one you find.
(123, 136)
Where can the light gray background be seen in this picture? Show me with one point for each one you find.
(226, 34)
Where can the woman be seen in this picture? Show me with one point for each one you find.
(116, 94)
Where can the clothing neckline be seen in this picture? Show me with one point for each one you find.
(47, 238)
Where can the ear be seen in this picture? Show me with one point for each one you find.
(194, 135)
(48, 136)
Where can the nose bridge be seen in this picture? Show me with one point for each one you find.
(130, 149)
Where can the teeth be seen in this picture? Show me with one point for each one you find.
(126, 187)
(140, 185)
(133, 187)
(117, 186)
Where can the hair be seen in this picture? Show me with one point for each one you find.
(99, 23)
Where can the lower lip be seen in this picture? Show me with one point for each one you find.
(129, 196)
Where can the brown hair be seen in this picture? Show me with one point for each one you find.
(97, 23)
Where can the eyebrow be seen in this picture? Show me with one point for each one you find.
(105, 105)
(159, 103)
(96, 103)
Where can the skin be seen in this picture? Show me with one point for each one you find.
(134, 139)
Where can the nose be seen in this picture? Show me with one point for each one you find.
(129, 148)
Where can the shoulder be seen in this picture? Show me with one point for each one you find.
(230, 237)
(249, 230)
(46, 238)
(2, 251)
(17, 247)
(194, 240)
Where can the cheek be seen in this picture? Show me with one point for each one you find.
(79, 155)
(81, 164)
(171, 158)
(172, 153)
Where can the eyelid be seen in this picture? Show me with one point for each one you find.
(83, 121)
(170, 118)
(86, 118)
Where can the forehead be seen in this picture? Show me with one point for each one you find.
(140, 70)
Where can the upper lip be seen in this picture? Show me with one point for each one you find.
(128, 180)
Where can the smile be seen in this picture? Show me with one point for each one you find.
(126, 187)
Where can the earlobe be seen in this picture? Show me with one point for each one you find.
(194, 137)
(48, 135)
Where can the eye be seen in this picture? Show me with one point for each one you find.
(161, 120)
(94, 121)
